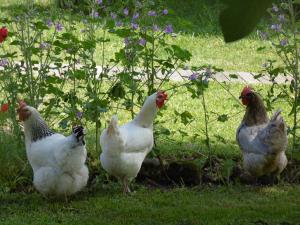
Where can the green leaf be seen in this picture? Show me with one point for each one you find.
(223, 118)
(117, 91)
(15, 42)
(41, 26)
(186, 117)
(63, 124)
(88, 44)
(261, 48)
(164, 131)
(233, 76)
(241, 17)
(181, 54)
(79, 74)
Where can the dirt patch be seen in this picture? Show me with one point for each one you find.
(212, 171)
(190, 171)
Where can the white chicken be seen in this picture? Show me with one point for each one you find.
(125, 147)
(58, 162)
(262, 141)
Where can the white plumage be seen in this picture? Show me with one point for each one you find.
(125, 147)
(58, 162)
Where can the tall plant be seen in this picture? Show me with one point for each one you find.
(284, 36)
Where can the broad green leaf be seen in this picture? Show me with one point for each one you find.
(223, 118)
(241, 16)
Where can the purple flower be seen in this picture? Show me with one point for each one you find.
(134, 26)
(208, 72)
(99, 2)
(58, 26)
(118, 23)
(3, 62)
(262, 35)
(155, 28)
(151, 13)
(276, 27)
(126, 12)
(275, 8)
(281, 18)
(113, 15)
(79, 115)
(49, 23)
(44, 45)
(169, 29)
(142, 42)
(135, 16)
(95, 14)
(126, 41)
(165, 12)
(283, 42)
(194, 76)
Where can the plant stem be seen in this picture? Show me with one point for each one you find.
(295, 74)
(97, 135)
(151, 85)
(206, 127)
(206, 123)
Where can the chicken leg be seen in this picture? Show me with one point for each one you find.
(126, 189)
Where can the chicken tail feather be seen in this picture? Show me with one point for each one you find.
(278, 120)
(78, 131)
(276, 115)
(113, 126)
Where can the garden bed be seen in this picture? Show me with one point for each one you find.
(215, 171)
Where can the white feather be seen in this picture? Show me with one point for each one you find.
(124, 149)
(58, 162)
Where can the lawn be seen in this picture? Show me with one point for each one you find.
(181, 206)
(195, 24)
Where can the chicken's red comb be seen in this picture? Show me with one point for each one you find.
(163, 93)
(247, 89)
(22, 104)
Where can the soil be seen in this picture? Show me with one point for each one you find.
(189, 172)
(213, 171)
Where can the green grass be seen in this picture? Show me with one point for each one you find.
(196, 23)
(219, 205)
(222, 134)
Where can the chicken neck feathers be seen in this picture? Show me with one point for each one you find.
(37, 129)
(256, 112)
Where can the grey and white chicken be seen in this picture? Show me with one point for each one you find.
(263, 142)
